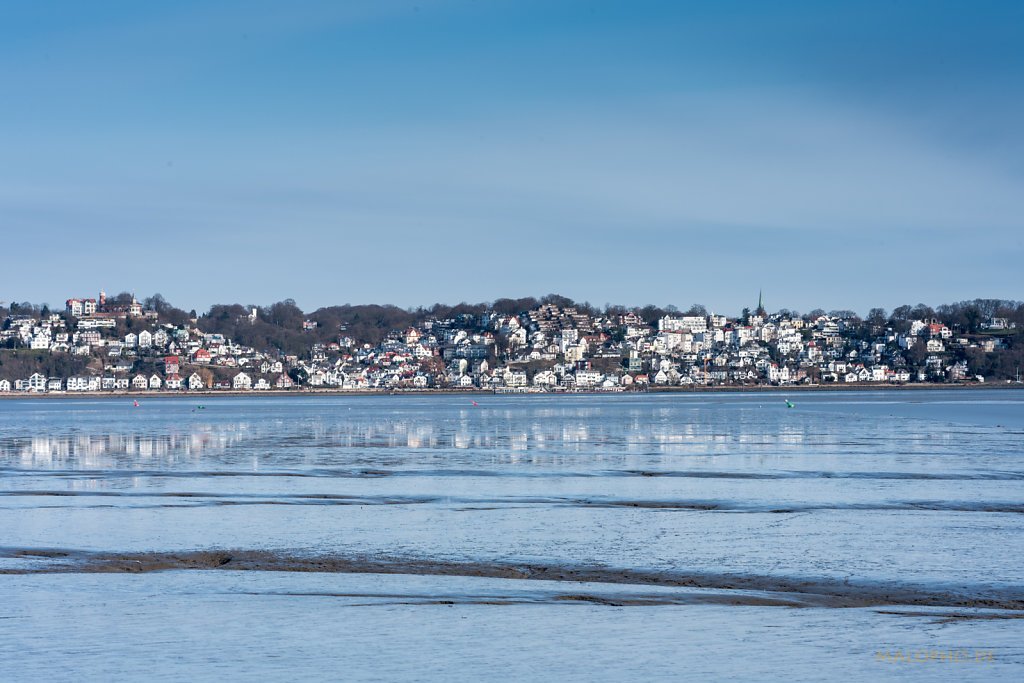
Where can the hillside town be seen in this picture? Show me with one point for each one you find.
(101, 345)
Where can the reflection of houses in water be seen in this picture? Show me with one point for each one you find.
(95, 451)
(462, 439)
(481, 436)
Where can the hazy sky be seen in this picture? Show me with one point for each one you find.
(835, 155)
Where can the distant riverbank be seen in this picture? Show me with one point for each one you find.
(210, 393)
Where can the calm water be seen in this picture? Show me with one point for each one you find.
(565, 538)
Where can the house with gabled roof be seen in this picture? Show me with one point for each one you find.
(36, 382)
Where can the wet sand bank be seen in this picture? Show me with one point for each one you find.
(749, 589)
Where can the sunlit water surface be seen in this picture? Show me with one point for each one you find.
(715, 536)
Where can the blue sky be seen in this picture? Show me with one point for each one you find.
(836, 155)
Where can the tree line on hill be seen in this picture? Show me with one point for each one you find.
(23, 363)
(280, 325)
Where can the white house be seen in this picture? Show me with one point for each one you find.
(545, 378)
(155, 382)
(140, 382)
(90, 338)
(173, 381)
(261, 384)
(81, 383)
(516, 379)
(36, 382)
(145, 339)
(241, 381)
(5, 385)
(195, 381)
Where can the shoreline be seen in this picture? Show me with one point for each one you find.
(211, 393)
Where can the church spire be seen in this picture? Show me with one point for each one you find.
(760, 301)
